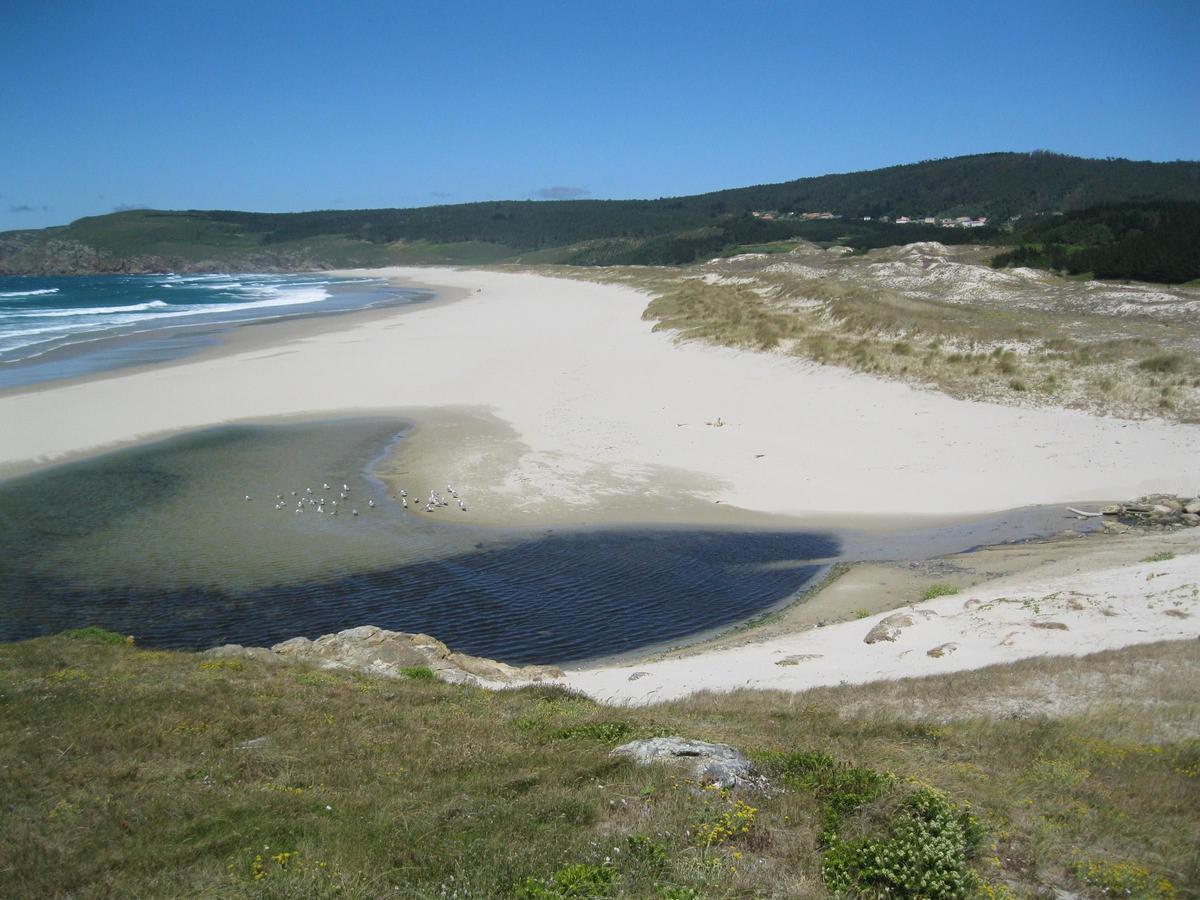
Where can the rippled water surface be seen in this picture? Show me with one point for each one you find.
(158, 542)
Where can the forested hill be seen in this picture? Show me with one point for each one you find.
(591, 232)
(1143, 241)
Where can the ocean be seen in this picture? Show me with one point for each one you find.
(55, 327)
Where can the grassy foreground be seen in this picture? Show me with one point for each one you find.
(133, 772)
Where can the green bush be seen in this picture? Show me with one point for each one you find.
(941, 589)
(924, 853)
(418, 673)
(1163, 363)
(578, 880)
(1124, 879)
(604, 732)
(647, 852)
(843, 789)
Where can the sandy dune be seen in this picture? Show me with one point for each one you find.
(1008, 620)
(597, 405)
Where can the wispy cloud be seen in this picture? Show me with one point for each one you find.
(561, 192)
(125, 207)
(26, 208)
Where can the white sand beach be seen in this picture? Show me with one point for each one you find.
(550, 400)
(1005, 620)
(591, 416)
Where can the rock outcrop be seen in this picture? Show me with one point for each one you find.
(888, 628)
(715, 765)
(377, 651)
(1154, 512)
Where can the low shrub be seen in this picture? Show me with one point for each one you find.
(1163, 363)
(1123, 879)
(1159, 557)
(923, 853)
(941, 589)
(578, 880)
(604, 732)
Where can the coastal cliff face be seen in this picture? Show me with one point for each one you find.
(31, 253)
(44, 253)
(393, 654)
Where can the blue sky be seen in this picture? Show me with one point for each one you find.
(288, 105)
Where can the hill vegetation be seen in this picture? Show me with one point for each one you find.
(138, 772)
(668, 231)
(1142, 241)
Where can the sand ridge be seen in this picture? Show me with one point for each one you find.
(999, 622)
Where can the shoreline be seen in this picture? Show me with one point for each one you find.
(218, 339)
(553, 404)
(583, 414)
(1043, 606)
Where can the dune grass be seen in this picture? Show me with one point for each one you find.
(938, 590)
(1127, 366)
(135, 772)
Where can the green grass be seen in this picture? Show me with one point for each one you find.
(134, 772)
(1163, 556)
(1164, 363)
(940, 589)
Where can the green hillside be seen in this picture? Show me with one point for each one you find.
(132, 772)
(1144, 241)
(601, 232)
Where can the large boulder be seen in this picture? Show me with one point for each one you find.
(378, 651)
(717, 765)
(888, 628)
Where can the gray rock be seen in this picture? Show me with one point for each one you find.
(889, 628)
(1192, 506)
(377, 651)
(1115, 528)
(237, 651)
(710, 764)
(797, 659)
(1190, 519)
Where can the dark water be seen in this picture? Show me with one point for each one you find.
(157, 542)
(557, 598)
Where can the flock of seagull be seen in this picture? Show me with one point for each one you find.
(308, 499)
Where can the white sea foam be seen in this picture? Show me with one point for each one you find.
(88, 311)
(31, 332)
(39, 293)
